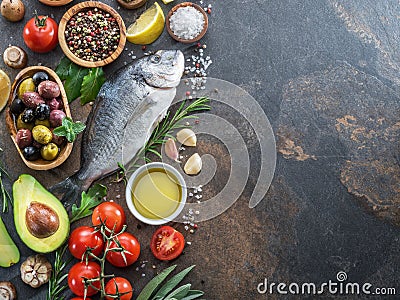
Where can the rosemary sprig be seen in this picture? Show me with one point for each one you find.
(164, 128)
(5, 196)
(56, 287)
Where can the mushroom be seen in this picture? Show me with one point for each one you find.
(15, 57)
(7, 291)
(13, 10)
(36, 270)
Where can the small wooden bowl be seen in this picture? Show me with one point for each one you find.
(132, 4)
(73, 11)
(39, 164)
(174, 9)
(55, 2)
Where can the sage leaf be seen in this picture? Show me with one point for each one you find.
(180, 292)
(193, 294)
(172, 283)
(154, 283)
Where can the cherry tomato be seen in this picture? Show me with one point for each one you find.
(41, 34)
(124, 287)
(80, 298)
(111, 213)
(80, 271)
(130, 244)
(167, 243)
(85, 237)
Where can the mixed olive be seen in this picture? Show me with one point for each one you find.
(38, 109)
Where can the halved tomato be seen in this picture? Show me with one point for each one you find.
(167, 243)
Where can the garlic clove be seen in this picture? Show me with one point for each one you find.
(193, 165)
(171, 150)
(187, 137)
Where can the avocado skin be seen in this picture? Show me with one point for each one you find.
(27, 189)
(9, 251)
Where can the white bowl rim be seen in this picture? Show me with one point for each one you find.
(128, 194)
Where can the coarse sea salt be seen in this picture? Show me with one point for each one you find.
(187, 22)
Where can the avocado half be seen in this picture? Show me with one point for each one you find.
(41, 220)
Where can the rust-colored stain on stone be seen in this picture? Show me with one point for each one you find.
(361, 124)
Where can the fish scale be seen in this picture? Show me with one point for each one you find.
(128, 108)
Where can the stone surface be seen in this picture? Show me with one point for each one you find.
(326, 75)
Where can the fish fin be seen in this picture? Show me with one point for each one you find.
(67, 189)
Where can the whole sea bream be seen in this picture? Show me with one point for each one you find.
(127, 109)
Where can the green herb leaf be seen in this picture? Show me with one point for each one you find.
(91, 85)
(73, 82)
(64, 68)
(172, 283)
(154, 283)
(180, 292)
(69, 129)
(89, 200)
(193, 294)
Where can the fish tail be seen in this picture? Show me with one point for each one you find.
(68, 190)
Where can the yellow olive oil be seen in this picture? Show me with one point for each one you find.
(156, 194)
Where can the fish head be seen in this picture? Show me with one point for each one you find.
(163, 69)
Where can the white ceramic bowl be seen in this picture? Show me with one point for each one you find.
(132, 181)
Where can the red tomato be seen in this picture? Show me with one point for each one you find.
(41, 34)
(111, 213)
(124, 287)
(130, 244)
(167, 243)
(85, 237)
(80, 271)
(80, 298)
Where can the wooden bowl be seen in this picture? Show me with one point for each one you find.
(73, 11)
(55, 2)
(39, 164)
(132, 4)
(174, 9)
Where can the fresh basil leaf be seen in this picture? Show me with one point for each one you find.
(91, 85)
(89, 200)
(73, 83)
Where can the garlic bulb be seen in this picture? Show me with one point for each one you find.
(193, 165)
(170, 150)
(187, 137)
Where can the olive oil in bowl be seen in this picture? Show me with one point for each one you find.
(156, 193)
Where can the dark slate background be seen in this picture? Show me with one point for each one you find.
(326, 75)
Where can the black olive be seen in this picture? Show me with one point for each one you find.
(42, 112)
(17, 106)
(39, 77)
(28, 116)
(31, 153)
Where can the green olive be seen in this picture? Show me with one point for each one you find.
(26, 86)
(43, 122)
(42, 134)
(22, 125)
(49, 151)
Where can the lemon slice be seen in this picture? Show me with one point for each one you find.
(167, 1)
(5, 89)
(148, 27)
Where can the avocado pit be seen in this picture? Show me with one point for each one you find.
(41, 220)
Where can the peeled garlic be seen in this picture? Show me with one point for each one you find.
(193, 165)
(170, 150)
(187, 137)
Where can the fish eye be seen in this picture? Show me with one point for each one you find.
(155, 59)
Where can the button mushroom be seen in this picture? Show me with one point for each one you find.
(13, 10)
(36, 270)
(7, 291)
(15, 57)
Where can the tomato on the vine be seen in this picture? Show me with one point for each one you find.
(120, 284)
(41, 34)
(84, 238)
(80, 271)
(110, 213)
(167, 243)
(80, 298)
(132, 247)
